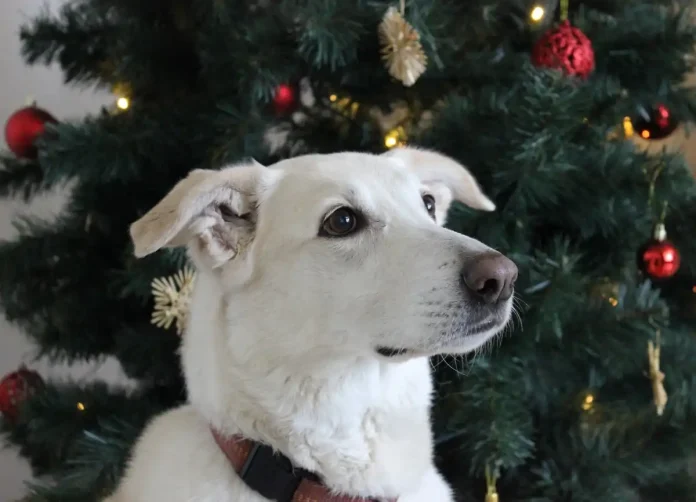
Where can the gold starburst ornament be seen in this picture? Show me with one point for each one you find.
(402, 51)
(172, 296)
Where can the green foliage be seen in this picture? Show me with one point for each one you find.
(21, 178)
(572, 199)
(81, 435)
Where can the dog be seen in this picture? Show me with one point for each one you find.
(324, 284)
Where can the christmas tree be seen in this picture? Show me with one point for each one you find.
(591, 396)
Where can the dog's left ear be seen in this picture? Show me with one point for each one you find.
(447, 179)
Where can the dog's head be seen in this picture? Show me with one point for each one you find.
(341, 253)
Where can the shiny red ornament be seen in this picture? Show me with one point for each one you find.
(659, 258)
(656, 122)
(15, 388)
(22, 129)
(284, 99)
(565, 48)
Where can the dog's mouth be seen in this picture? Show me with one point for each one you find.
(391, 351)
(484, 326)
(469, 333)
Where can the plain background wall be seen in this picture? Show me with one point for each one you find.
(17, 84)
(46, 87)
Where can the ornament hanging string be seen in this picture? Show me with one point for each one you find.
(663, 213)
(652, 183)
(564, 10)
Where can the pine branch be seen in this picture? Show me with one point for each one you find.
(78, 39)
(21, 178)
(79, 437)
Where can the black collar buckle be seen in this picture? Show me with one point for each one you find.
(271, 475)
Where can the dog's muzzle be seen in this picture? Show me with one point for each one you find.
(488, 282)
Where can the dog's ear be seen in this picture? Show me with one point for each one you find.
(447, 179)
(213, 212)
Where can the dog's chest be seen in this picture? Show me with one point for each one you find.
(376, 442)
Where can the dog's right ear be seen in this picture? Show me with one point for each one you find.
(213, 212)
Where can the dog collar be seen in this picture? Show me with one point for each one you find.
(272, 474)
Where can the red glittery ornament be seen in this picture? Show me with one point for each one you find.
(22, 129)
(659, 258)
(15, 388)
(284, 99)
(565, 48)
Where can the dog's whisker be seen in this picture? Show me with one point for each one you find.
(441, 359)
(436, 361)
(454, 368)
(475, 354)
(519, 303)
(510, 327)
(516, 317)
(455, 362)
(466, 367)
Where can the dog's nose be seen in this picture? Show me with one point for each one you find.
(491, 277)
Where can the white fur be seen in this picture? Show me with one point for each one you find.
(284, 325)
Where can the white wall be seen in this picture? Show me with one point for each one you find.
(17, 83)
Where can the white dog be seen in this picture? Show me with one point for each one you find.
(324, 283)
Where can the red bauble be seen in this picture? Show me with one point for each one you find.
(656, 122)
(22, 129)
(658, 258)
(284, 99)
(565, 48)
(15, 388)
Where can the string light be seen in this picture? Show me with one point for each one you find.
(395, 137)
(613, 301)
(345, 105)
(123, 103)
(645, 134)
(81, 406)
(588, 402)
(121, 90)
(537, 13)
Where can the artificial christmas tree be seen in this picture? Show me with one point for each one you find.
(590, 397)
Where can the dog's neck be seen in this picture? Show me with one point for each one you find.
(352, 420)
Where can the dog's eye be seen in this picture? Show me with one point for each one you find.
(429, 203)
(341, 222)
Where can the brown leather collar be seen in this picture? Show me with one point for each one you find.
(273, 475)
